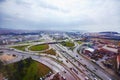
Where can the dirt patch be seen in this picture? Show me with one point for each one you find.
(7, 57)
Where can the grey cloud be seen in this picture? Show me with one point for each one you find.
(45, 24)
(97, 15)
(2, 1)
(40, 3)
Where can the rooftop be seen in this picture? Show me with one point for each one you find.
(110, 49)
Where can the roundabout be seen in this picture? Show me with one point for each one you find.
(38, 48)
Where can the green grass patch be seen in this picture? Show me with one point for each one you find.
(68, 44)
(51, 52)
(39, 47)
(79, 42)
(27, 69)
(22, 47)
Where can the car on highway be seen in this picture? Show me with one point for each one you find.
(93, 60)
(93, 75)
(67, 61)
(64, 71)
(86, 78)
(96, 69)
(95, 79)
(63, 78)
(76, 55)
(84, 65)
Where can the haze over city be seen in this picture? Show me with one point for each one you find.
(88, 15)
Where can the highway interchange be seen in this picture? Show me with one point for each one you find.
(70, 64)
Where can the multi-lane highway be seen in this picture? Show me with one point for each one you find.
(67, 54)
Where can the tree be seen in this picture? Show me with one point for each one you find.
(1, 64)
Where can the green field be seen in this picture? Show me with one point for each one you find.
(39, 47)
(79, 42)
(68, 44)
(51, 52)
(22, 48)
(27, 69)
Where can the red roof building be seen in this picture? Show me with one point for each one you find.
(109, 49)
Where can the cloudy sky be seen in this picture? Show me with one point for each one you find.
(89, 15)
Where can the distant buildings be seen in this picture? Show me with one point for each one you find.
(105, 35)
(11, 39)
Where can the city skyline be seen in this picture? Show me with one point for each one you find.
(88, 15)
